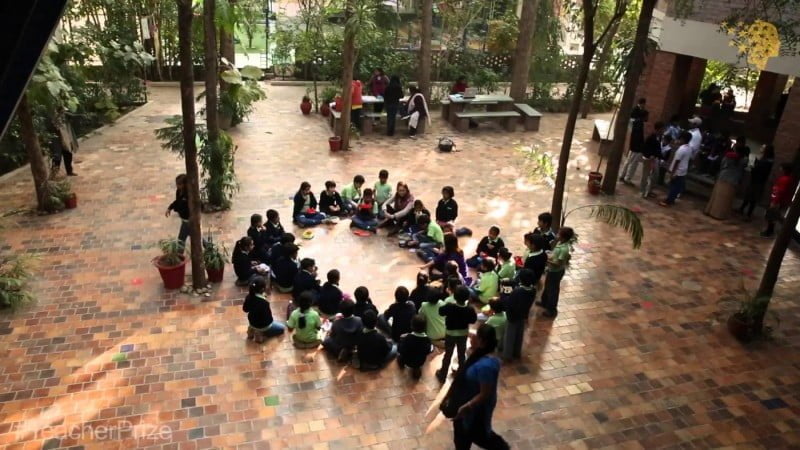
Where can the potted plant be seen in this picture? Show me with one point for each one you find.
(15, 271)
(328, 94)
(57, 194)
(214, 257)
(171, 264)
(236, 102)
(305, 105)
(746, 316)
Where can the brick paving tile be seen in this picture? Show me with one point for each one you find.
(107, 359)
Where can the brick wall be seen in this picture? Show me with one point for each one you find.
(787, 136)
(715, 11)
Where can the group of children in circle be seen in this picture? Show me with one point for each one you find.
(437, 312)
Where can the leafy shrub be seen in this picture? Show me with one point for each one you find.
(15, 272)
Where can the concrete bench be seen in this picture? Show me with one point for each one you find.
(445, 109)
(602, 132)
(333, 118)
(508, 119)
(530, 117)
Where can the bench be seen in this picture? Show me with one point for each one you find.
(602, 132)
(333, 118)
(530, 117)
(508, 119)
(445, 109)
(366, 120)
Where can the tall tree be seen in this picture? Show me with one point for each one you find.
(34, 151)
(227, 30)
(425, 60)
(520, 73)
(348, 59)
(589, 47)
(216, 167)
(185, 14)
(629, 96)
(596, 76)
(770, 276)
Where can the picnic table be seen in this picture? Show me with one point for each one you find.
(458, 104)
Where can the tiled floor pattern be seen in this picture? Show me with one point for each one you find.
(106, 358)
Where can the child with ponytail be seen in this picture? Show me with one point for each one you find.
(305, 322)
(259, 314)
(244, 265)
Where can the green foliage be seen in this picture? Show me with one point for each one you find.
(539, 166)
(503, 34)
(49, 87)
(15, 272)
(215, 256)
(616, 216)
(55, 193)
(172, 252)
(237, 101)
(753, 310)
(729, 75)
(329, 93)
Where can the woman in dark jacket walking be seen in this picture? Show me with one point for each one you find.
(181, 206)
(759, 175)
(391, 99)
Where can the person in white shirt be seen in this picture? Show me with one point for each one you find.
(679, 168)
(697, 135)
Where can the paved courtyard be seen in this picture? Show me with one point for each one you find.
(107, 359)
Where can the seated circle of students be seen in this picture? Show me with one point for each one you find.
(458, 315)
(277, 249)
(366, 215)
(517, 307)
(363, 302)
(488, 284)
(261, 324)
(285, 268)
(373, 350)
(414, 347)
(330, 296)
(450, 252)
(447, 208)
(306, 279)
(395, 210)
(273, 230)
(305, 323)
(423, 291)
(429, 239)
(256, 233)
(351, 194)
(382, 188)
(330, 202)
(488, 246)
(304, 212)
(244, 265)
(344, 333)
(544, 225)
(396, 320)
(536, 258)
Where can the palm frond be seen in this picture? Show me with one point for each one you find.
(616, 216)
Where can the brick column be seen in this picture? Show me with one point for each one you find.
(765, 98)
(659, 86)
(692, 82)
(787, 136)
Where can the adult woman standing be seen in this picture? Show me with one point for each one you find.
(474, 394)
(417, 111)
(397, 208)
(730, 174)
(377, 86)
(391, 99)
(759, 175)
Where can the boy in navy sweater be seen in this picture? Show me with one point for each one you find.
(414, 347)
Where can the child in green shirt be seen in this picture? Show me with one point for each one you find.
(497, 321)
(488, 283)
(383, 190)
(434, 323)
(351, 194)
(506, 268)
(556, 265)
(305, 322)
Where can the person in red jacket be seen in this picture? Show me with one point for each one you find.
(782, 194)
(358, 103)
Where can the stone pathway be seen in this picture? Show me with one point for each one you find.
(106, 358)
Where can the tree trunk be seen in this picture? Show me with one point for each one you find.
(226, 44)
(216, 196)
(189, 148)
(632, 76)
(599, 67)
(782, 240)
(569, 131)
(425, 59)
(520, 73)
(34, 151)
(348, 58)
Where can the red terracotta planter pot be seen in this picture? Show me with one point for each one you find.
(215, 275)
(172, 276)
(71, 202)
(335, 143)
(305, 107)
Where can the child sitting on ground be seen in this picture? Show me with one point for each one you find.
(434, 322)
(255, 232)
(488, 246)
(285, 268)
(330, 203)
(383, 190)
(259, 314)
(506, 269)
(363, 302)
(429, 240)
(244, 265)
(305, 322)
(423, 291)
(374, 351)
(366, 216)
(273, 230)
(277, 250)
(414, 347)
(351, 194)
(399, 313)
(410, 223)
(458, 317)
(306, 280)
(447, 208)
(488, 282)
(344, 332)
(305, 212)
(330, 296)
